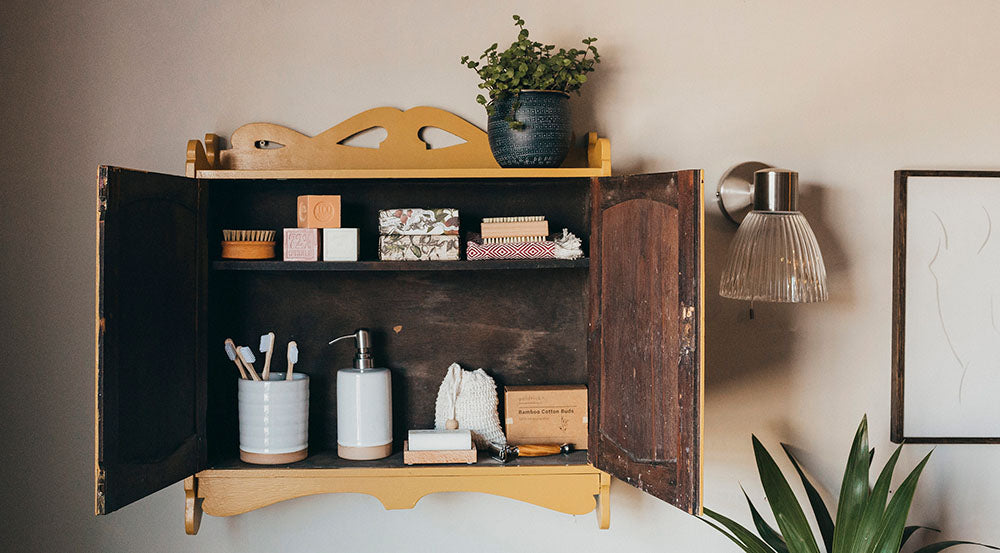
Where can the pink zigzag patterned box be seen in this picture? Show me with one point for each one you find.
(518, 250)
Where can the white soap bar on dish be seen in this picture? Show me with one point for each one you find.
(440, 440)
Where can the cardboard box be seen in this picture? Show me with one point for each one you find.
(415, 221)
(546, 415)
(438, 247)
(340, 244)
(301, 244)
(319, 212)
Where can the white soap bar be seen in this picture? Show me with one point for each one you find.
(440, 440)
(340, 244)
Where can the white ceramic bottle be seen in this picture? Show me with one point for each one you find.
(364, 405)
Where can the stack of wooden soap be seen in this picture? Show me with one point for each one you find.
(415, 234)
(317, 213)
(511, 238)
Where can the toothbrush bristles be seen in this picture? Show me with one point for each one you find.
(247, 354)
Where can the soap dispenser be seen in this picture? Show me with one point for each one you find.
(364, 405)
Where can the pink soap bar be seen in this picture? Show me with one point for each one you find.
(301, 244)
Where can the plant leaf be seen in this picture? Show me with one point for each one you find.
(752, 543)
(741, 545)
(909, 530)
(935, 547)
(816, 501)
(875, 506)
(890, 532)
(770, 535)
(853, 491)
(791, 520)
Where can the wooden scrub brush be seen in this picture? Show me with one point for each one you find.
(248, 244)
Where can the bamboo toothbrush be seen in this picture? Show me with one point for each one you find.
(231, 352)
(267, 348)
(293, 358)
(246, 355)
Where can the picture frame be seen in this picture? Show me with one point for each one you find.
(946, 307)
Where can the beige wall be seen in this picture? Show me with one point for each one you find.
(844, 92)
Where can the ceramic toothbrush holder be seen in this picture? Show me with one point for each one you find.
(274, 419)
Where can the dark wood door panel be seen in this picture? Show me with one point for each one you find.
(150, 364)
(639, 241)
(645, 333)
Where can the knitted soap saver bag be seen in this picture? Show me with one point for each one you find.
(470, 397)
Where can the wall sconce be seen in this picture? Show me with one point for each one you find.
(774, 256)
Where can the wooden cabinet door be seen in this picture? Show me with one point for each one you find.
(151, 385)
(645, 333)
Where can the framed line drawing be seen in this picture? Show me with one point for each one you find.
(946, 307)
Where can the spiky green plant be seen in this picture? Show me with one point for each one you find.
(865, 522)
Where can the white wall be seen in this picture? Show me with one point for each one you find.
(844, 92)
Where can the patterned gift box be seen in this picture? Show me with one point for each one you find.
(517, 250)
(417, 221)
(398, 247)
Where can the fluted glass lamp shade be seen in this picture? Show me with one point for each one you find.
(774, 256)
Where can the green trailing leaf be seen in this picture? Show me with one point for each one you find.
(786, 509)
(941, 545)
(909, 530)
(890, 532)
(823, 519)
(751, 543)
(853, 492)
(875, 506)
(769, 535)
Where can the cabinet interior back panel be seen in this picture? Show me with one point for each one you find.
(272, 204)
(522, 326)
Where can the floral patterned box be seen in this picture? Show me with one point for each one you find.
(415, 221)
(428, 247)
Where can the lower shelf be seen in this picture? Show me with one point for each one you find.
(231, 489)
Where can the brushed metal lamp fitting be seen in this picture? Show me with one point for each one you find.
(774, 256)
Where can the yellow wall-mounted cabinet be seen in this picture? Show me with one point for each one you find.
(626, 320)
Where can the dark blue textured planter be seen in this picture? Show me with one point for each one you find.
(544, 140)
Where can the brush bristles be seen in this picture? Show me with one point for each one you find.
(247, 354)
(230, 235)
(513, 239)
(522, 219)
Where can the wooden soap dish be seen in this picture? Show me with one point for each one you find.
(467, 456)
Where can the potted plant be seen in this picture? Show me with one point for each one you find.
(528, 86)
(865, 522)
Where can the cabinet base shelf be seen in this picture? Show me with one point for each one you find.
(569, 489)
(450, 265)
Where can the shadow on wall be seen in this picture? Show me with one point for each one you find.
(739, 350)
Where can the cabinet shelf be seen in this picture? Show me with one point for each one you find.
(460, 265)
(567, 484)
(323, 460)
